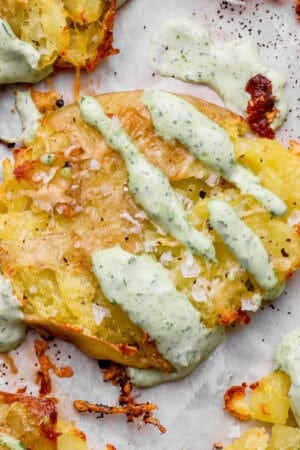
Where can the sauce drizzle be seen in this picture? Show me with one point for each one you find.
(148, 184)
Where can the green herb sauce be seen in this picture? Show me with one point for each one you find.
(29, 115)
(184, 50)
(243, 243)
(18, 59)
(148, 184)
(12, 329)
(142, 287)
(287, 359)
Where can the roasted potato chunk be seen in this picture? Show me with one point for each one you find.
(67, 33)
(34, 422)
(268, 401)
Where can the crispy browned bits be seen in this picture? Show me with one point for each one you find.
(261, 107)
(43, 376)
(116, 374)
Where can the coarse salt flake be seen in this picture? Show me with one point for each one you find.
(190, 268)
(200, 290)
(94, 164)
(44, 177)
(251, 304)
(150, 246)
(33, 290)
(137, 226)
(141, 215)
(99, 313)
(212, 180)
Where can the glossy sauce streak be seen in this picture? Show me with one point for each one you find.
(175, 118)
(150, 303)
(185, 50)
(29, 115)
(243, 243)
(287, 359)
(18, 59)
(12, 329)
(148, 184)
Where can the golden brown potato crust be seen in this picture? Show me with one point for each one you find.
(67, 33)
(81, 203)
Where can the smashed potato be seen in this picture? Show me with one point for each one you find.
(268, 401)
(34, 422)
(55, 214)
(66, 33)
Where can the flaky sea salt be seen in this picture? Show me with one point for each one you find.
(251, 304)
(44, 177)
(199, 290)
(94, 164)
(190, 268)
(137, 226)
(212, 180)
(99, 313)
(150, 246)
(166, 257)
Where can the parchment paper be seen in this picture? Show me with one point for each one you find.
(192, 408)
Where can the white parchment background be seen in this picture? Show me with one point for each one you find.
(192, 408)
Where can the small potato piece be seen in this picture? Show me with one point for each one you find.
(71, 442)
(71, 438)
(284, 438)
(269, 400)
(253, 439)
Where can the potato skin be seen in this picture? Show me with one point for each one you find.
(100, 349)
